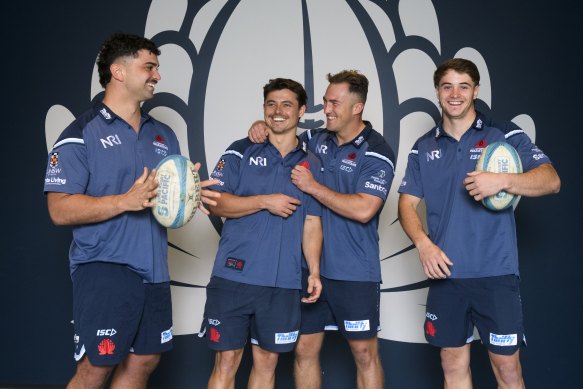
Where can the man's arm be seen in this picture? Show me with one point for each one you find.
(312, 248)
(71, 209)
(258, 132)
(434, 261)
(360, 207)
(233, 206)
(540, 181)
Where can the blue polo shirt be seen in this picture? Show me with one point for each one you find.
(364, 165)
(480, 242)
(100, 154)
(262, 248)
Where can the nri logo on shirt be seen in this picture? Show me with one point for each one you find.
(258, 161)
(433, 154)
(110, 141)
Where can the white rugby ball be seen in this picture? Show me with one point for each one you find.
(178, 191)
(499, 157)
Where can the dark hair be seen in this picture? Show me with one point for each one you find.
(458, 65)
(357, 82)
(120, 45)
(286, 83)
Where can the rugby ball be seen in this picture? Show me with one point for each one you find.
(178, 191)
(499, 157)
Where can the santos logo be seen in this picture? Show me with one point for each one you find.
(206, 47)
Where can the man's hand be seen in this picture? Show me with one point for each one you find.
(480, 184)
(314, 289)
(303, 178)
(434, 261)
(141, 193)
(280, 204)
(207, 196)
(258, 132)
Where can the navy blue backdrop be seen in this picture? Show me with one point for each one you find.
(49, 47)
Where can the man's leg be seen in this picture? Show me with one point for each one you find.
(507, 370)
(89, 376)
(307, 371)
(225, 369)
(455, 362)
(369, 371)
(134, 371)
(263, 371)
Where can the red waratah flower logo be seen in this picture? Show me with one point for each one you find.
(215, 335)
(430, 328)
(481, 143)
(106, 347)
(305, 164)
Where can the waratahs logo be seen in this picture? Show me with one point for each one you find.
(216, 57)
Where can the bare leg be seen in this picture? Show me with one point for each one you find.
(225, 369)
(263, 371)
(307, 371)
(455, 362)
(369, 371)
(134, 371)
(89, 376)
(507, 370)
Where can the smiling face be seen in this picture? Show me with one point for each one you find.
(281, 111)
(342, 109)
(456, 93)
(140, 74)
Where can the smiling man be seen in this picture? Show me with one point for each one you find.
(100, 179)
(256, 279)
(470, 254)
(358, 171)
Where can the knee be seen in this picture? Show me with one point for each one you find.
(454, 364)
(508, 371)
(364, 355)
(264, 360)
(227, 362)
(306, 351)
(150, 362)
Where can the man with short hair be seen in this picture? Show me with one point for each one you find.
(256, 279)
(358, 170)
(470, 254)
(100, 179)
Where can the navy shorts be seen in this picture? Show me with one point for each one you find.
(491, 304)
(234, 311)
(115, 313)
(350, 306)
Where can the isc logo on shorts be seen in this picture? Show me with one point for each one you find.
(357, 325)
(108, 332)
(286, 337)
(503, 340)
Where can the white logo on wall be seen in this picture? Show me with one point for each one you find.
(233, 59)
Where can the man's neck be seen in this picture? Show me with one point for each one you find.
(126, 109)
(284, 143)
(350, 133)
(457, 127)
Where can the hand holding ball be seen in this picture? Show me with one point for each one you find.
(499, 157)
(178, 195)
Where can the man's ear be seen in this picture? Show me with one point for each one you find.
(117, 71)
